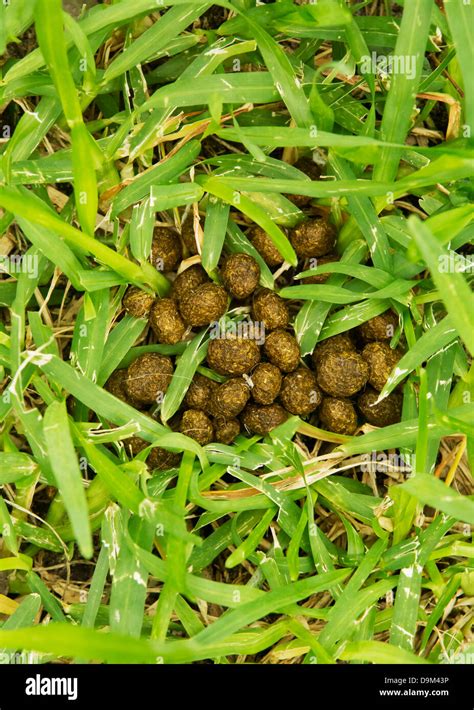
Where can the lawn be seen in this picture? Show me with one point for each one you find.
(236, 331)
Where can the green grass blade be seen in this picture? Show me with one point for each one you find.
(155, 38)
(165, 197)
(182, 376)
(454, 290)
(431, 491)
(379, 653)
(215, 186)
(68, 641)
(7, 527)
(366, 218)
(118, 344)
(25, 614)
(49, 30)
(67, 473)
(129, 582)
(460, 18)
(274, 600)
(288, 85)
(215, 227)
(430, 343)
(411, 44)
(96, 590)
(163, 172)
(22, 202)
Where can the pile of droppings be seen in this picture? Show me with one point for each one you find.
(249, 384)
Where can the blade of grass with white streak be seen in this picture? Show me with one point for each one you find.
(421, 449)
(183, 374)
(452, 167)
(405, 506)
(165, 197)
(431, 342)
(345, 611)
(292, 553)
(32, 128)
(439, 371)
(15, 466)
(232, 89)
(9, 537)
(32, 423)
(129, 581)
(288, 514)
(352, 316)
(367, 274)
(26, 284)
(155, 38)
(254, 538)
(398, 290)
(67, 473)
(142, 224)
(100, 401)
(407, 599)
(88, 339)
(291, 137)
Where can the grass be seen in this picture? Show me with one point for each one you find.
(286, 549)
